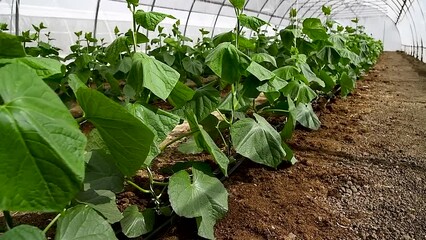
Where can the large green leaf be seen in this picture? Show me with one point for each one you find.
(192, 66)
(150, 20)
(83, 223)
(309, 75)
(260, 72)
(147, 72)
(306, 116)
(274, 85)
(258, 141)
(160, 122)
(205, 142)
(223, 37)
(10, 46)
(264, 57)
(102, 201)
(347, 84)
(135, 223)
(204, 102)
(286, 72)
(128, 139)
(329, 55)
(102, 173)
(102, 181)
(351, 56)
(180, 95)
(41, 150)
(253, 23)
(203, 197)
(23, 232)
(314, 29)
(113, 51)
(239, 4)
(224, 60)
(299, 91)
(329, 81)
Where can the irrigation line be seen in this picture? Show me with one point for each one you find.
(153, 234)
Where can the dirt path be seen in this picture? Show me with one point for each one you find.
(361, 176)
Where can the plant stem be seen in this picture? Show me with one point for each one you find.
(164, 146)
(9, 220)
(133, 9)
(80, 120)
(51, 223)
(137, 187)
(160, 183)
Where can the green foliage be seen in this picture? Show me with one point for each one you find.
(238, 4)
(10, 46)
(150, 20)
(147, 72)
(82, 222)
(135, 223)
(253, 23)
(221, 58)
(129, 146)
(314, 29)
(199, 196)
(41, 144)
(24, 232)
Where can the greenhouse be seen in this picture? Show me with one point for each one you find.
(212, 119)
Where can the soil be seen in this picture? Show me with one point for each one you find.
(361, 176)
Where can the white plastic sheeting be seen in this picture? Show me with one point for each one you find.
(399, 23)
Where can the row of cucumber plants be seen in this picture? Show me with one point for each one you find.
(49, 165)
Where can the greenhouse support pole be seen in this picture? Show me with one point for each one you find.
(95, 27)
(17, 4)
(188, 17)
(404, 3)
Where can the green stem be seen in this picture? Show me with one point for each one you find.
(164, 146)
(137, 187)
(222, 116)
(80, 120)
(160, 183)
(134, 27)
(232, 103)
(9, 220)
(51, 223)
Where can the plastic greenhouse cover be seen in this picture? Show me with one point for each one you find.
(396, 22)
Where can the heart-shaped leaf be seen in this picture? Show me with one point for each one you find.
(224, 60)
(203, 197)
(135, 223)
(128, 145)
(41, 145)
(306, 116)
(24, 232)
(83, 223)
(314, 29)
(150, 20)
(10, 46)
(147, 72)
(248, 133)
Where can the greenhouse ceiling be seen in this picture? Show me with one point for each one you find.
(400, 24)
